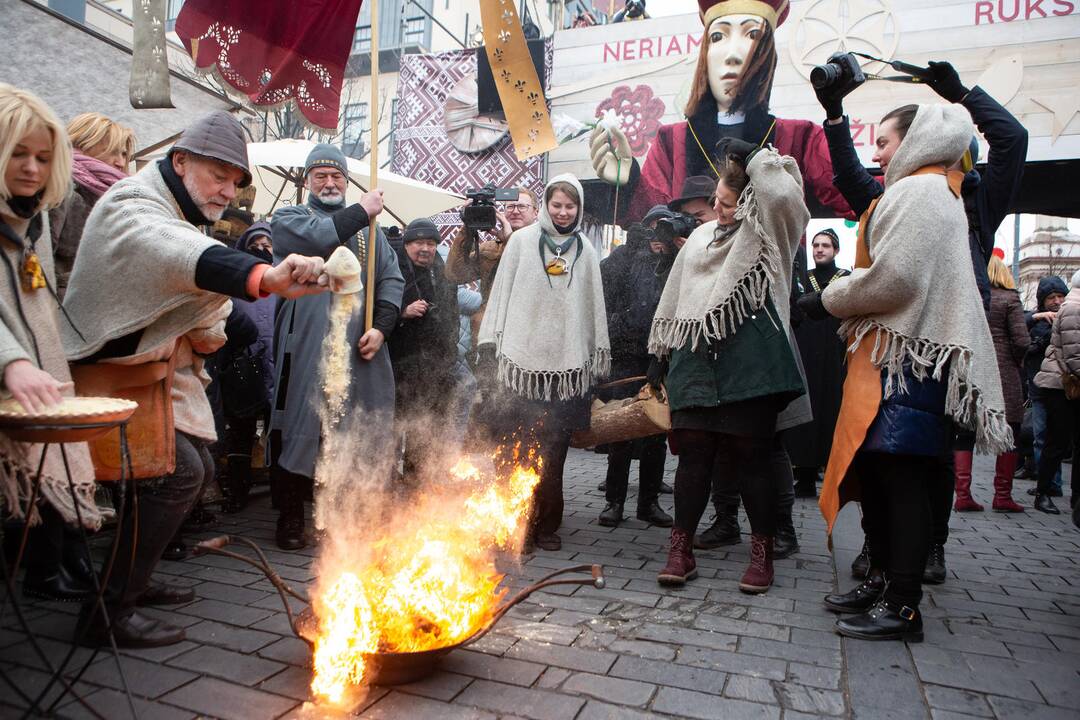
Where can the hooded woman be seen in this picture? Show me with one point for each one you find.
(729, 98)
(35, 175)
(723, 324)
(547, 326)
(920, 352)
(102, 151)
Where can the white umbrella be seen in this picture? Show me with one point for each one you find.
(277, 169)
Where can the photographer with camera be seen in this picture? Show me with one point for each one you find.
(487, 223)
(987, 197)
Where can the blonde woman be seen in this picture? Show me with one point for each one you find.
(35, 166)
(102, 152)
(1011, 340)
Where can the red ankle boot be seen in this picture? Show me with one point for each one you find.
(759, 576)
(680, 565)
(1003, 480)
(964, 501)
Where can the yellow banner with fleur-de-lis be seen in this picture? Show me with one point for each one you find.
(520, 91)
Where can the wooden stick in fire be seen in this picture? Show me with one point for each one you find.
(373, 117)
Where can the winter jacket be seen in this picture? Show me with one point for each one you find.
(912, 422)
(1039, 330)
(426, 345)
(1064, 351)
(1011, 341)
(633, 278)
(479, 266)
(987, 196)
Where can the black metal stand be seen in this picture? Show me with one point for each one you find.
(10, 575)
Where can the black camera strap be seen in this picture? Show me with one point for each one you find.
(912, 73)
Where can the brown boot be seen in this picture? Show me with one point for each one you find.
(1003, 480)
(680, 565)
(759, 576)
(964, 501)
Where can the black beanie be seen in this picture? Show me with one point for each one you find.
(421, 229)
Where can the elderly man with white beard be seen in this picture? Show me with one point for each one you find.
(149, 287)
(319, 227)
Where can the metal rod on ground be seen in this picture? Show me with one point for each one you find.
(373, 236)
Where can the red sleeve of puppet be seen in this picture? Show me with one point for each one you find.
(654, 186)
(818, 173)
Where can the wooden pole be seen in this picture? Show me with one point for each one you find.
(373, 118)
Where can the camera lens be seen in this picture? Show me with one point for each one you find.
(822, 76)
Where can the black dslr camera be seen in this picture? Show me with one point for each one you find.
(681, 225)
(841, 70)
(480, 215)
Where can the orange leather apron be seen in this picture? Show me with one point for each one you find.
(862, 388)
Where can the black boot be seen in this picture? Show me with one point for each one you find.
(58, 587)
(806, 482)
(1043, 503)
(886, 620)
(290, 523)
(666, 489)
(612, 514)
(861, 564)
(861, 598)
(653, 514)
(237, 483)
(723, 531)
(130, 628)
(934, 573)
(176, 550)
(785, 542)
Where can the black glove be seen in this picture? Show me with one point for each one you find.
(657, 372)
(945, 81)
(832, 97)
(810, 304)
(739, 149)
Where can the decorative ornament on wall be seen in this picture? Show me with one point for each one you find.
(467, 129)
(828, 26)
(639, 112)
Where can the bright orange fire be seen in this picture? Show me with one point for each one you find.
(427, 582)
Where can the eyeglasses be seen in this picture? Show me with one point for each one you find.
(517, 207)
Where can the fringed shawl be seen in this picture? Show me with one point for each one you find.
(714, 286)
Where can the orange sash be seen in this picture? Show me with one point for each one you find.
(862, 387)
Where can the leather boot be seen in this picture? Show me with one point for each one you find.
(1043, 503)
(887, 620)
(130, 628)
(612, 515)
(290, 522)
(681, 566)
(1003, 481)
(860, 599)
(237, 483)
(723, 531)
(759, 576)
(786, 542)
(860, 566)
(964, 501)
(58, 587)
(653, 514)
(934, 571)
(806, 482)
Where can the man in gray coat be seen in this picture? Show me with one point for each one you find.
(318, 228)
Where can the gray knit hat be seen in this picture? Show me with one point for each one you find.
(421, 229)
(220, 136)
(326, 155)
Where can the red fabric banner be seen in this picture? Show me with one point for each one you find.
(275, 51)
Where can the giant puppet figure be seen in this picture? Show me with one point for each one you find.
(729, 98)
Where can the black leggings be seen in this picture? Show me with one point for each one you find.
(725, 488)
(749, 458)
(898, 517)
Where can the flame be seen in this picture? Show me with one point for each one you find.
(428, 581)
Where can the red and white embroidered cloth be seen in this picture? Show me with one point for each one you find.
(275, 51)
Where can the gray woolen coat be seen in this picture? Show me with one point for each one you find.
(299, 329)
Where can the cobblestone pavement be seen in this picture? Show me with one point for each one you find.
(1002, 634)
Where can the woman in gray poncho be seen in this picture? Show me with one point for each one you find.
(547, 327)
(723, 325)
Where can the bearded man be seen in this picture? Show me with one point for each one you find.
(319, 227)
(148, 286)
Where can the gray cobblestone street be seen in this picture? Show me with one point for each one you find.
(1002, 634)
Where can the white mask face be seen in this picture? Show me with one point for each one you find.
(731, 39)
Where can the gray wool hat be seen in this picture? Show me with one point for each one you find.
(220, 136)
(421, 229)
(326, 155)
